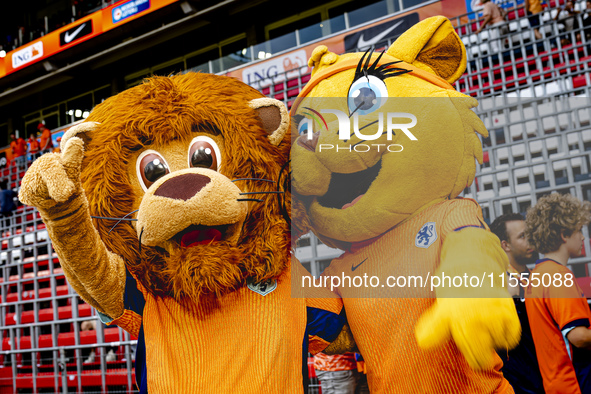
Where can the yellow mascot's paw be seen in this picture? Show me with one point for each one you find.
(476, 325)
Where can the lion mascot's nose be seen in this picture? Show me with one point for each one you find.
(182, 187)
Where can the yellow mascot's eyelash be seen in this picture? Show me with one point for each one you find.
(384, 71)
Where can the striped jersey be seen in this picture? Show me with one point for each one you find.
(384, 328)
(252, 340)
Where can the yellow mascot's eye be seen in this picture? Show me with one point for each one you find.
(366, 95)
(303, 126)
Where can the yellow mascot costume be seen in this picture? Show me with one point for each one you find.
(389, 199)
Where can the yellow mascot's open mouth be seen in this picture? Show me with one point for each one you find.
(345, 190)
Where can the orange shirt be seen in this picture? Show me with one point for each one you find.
(551, 310)
(534, 6)
(246, 343)
(46, 141)
(19, 147)
(33, 145)
(384, 328)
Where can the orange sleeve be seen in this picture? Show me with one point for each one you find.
(462, 213)
(129, 321)
(134, 302)
(568, 306)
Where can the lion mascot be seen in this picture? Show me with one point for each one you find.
(388, 198)
(168, 208)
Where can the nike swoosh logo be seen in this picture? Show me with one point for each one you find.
(361, 43)
(69, 37)
(354, 267)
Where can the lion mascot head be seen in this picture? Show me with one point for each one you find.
(198, 160)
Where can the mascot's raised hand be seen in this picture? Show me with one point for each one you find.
(385, 146)
(52, 184)
(169, 212)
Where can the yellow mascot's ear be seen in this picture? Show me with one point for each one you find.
(321, 58)
(432, 45)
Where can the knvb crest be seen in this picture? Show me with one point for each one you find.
(263, 288)
(426, 235)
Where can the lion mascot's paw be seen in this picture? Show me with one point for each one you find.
(55, 177)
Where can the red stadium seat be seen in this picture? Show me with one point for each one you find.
(293, 82)
(293, 92)
(41, 275)
(64, 312)
(91, 378)
(580, 81)
(278, 87)
(43, 293)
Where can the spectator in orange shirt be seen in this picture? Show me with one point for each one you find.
(18, 147)
(34, 146)
(533, 8)
(46, 142)
(557, 309)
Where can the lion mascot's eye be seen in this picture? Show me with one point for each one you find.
(204, 153)
(366, 95)
(151, 166)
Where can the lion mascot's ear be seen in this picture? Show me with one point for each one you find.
(81, 130)
(274, 117)
(434, 46)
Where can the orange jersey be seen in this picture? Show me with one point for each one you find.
(19, 147)
(552, 310)
(384, 328)
(33, 145)
(46, 142)
(252, 340)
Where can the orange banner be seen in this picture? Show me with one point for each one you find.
(82, 30)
